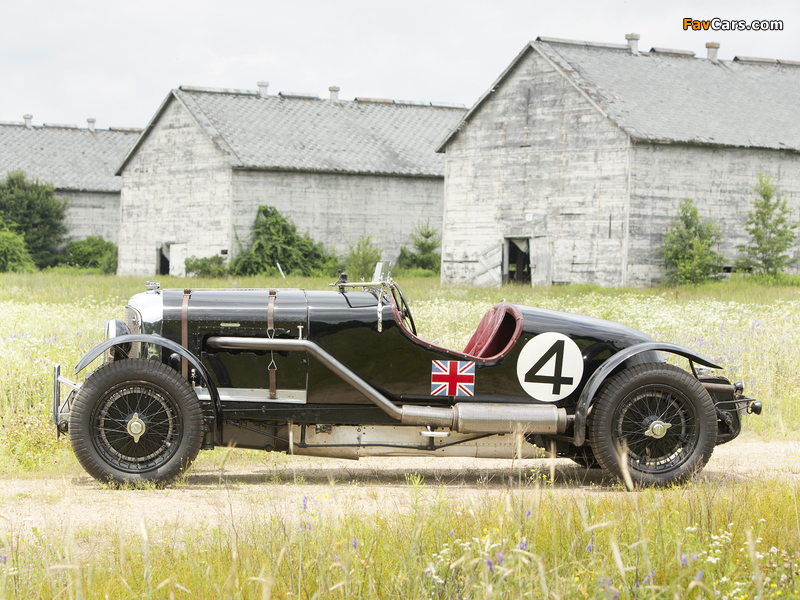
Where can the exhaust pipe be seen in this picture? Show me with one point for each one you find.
(462, 417)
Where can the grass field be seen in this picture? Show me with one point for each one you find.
(737, 540)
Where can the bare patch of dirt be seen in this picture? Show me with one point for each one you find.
(213, 498)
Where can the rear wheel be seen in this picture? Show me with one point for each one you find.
(657, 416)
(584, 457)
(136, 420)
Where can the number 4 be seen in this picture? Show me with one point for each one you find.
(557, 379)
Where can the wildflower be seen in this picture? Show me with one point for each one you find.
(3, 558)
(451, 533)
(699, 576)
(305, 502)
(523, 545)
(693, 556)
(355, 543)
(491, 565)
(500, 558)
(649, 578)
(527, 514)
(684, 561)
(308, 526)
(590, 547)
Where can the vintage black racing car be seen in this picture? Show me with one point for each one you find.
(342, 373)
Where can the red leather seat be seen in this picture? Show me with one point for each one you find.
(496, 333)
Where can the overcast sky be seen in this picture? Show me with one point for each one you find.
(64, 61)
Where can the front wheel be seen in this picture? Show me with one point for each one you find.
(135, 420)
(657, 416)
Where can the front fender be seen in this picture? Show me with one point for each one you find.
(158, 341)
(598, 377)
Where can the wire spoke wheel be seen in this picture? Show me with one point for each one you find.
(136, 420)
(658, 419)
(136, 426)
(657, 426)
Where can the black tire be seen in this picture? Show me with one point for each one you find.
(661, 416)
(584, 457)
(135, 421)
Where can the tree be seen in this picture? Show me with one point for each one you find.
(14, 255)
(276, 241)
(688, 248)
(771, 231)
(94, 251)
(361, 259)
(30, 208)
(425, 240)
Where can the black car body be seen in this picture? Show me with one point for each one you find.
(342, 373)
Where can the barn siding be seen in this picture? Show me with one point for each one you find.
(537, 160)
(175, 190)
(91, 213)
(719, 180)
(337, 209)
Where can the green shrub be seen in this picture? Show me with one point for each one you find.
(361, 259)
(14, 256)
(687, 250)
(771, 232)
(275, 241)
(212, 266)
(31, 209)
(425, 240)
(92, 252)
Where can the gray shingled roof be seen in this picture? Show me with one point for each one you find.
(68, 157)
(291, 133)
(662, 97)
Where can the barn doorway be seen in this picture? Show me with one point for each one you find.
(163, 260)
(517, 263)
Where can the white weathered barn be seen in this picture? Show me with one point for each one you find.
(80, 165)
(193, 182)
(571, 166)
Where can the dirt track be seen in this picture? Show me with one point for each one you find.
(213, 498)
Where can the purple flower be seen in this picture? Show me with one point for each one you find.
(699, 576)
(527, 514)
(615, 596)
(523, 545)
(355, 543)
(451, 533)
(693, 556)
(590, 547)
(684, 562)
(500, 558)
(491, 565)
(308, 526)
(3, 558)
(305, 502)
(649, 578)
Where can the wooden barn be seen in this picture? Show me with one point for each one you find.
(78, 162)
(192, 183)
(571, 166)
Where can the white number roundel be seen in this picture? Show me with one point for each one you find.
(550, 367)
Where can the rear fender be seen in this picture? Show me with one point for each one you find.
(599, 377)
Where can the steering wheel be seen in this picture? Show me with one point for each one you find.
(403, 309)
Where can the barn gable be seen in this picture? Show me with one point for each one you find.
(685, 127)
(338, 169)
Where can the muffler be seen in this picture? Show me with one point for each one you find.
(489, 418)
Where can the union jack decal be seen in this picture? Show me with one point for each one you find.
(452, 378)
